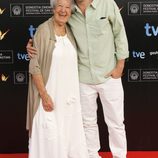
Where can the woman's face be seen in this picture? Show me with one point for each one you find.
(62, 11)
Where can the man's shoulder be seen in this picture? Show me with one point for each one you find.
(104, 4)
(109, 1)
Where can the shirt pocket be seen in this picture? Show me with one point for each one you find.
(100, 26)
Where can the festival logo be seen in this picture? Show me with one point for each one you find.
(134, 8)
(143, 75)
(3, 34)
(133, 75)
(16, 10)
(2, 11)
(30, 10)
(121, 9)
(20, 77)
(4, 78)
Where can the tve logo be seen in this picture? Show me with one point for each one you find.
(32, 30)
(151, 30)
(23, 56)
(139, 54)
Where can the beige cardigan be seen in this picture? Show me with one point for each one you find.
(44, 41)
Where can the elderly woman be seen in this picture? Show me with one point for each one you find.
(54, 113)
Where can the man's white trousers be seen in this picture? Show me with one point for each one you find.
(112, 98)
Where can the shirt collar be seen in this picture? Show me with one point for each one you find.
(77, 8)
(93, 4)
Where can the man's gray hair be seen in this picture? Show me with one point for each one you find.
(54, 2)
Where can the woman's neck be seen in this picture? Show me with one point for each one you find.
(60, 30)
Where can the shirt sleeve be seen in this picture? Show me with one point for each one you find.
(120, 38)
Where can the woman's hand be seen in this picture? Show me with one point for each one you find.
(47, 102)
(30, 49)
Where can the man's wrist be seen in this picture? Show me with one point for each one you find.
(120, 64)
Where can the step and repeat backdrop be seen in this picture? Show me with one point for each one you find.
(18, 22)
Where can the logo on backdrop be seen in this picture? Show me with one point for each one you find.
(17, 10)
(121, 8)
(20, 77)
(155, 53)
(30, 10)
(133, 75)
(32, 30)
(145, 55)
(133, 8)
(143, 8)
(151, 30)
(23, 56)
(6, 56)
(138, 54)
(4, 77)
(2, 11)
(143, 75)
(3, 34)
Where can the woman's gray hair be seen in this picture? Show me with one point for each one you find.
(54, 2)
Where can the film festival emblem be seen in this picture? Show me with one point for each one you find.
(3, 34)
(2, 11)
(134, 9)
(30, 10)
(134, 75)
(16, 10)
(4, 78)
(20, 77)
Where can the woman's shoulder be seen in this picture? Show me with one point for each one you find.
(44, 27)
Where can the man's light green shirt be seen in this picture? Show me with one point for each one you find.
(101, 40)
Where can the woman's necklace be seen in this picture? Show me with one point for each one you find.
(59, 30)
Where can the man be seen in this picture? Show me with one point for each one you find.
(102, 49)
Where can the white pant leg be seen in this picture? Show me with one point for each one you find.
(89, 115)
(112, 99)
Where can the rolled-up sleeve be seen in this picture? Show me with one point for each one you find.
(120, 38)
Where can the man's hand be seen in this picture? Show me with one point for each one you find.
(47, 102)
(30, 49)
(117, 72)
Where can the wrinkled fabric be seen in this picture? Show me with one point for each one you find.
(59, 133)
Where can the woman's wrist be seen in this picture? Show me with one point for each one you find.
(43, 94)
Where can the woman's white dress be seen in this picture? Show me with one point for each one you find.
(60, 134)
